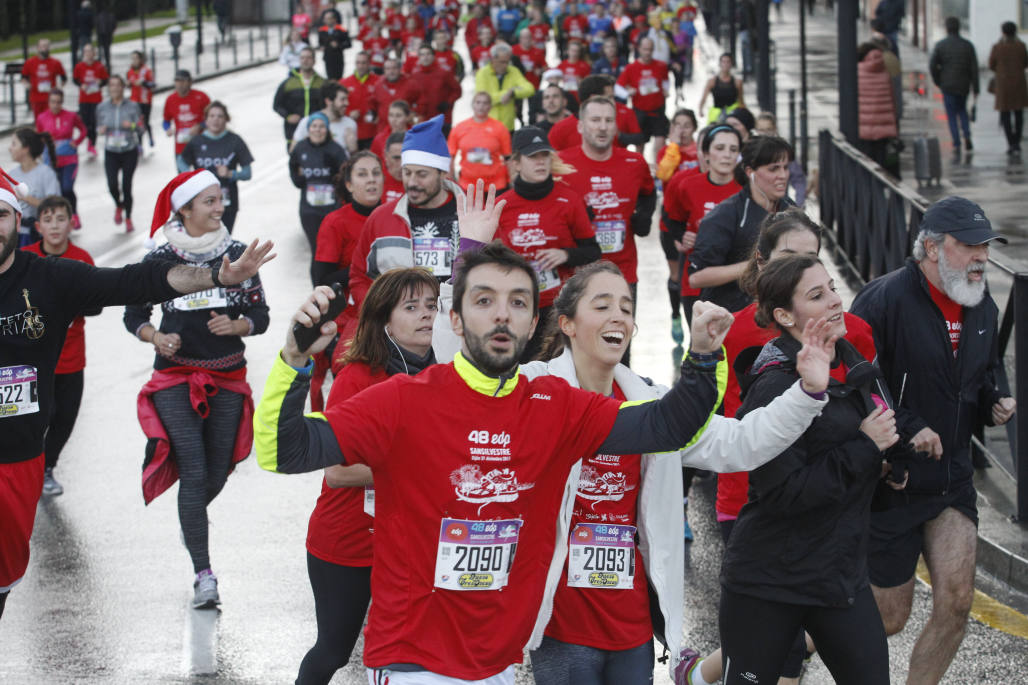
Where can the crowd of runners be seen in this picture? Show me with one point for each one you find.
(496, 478)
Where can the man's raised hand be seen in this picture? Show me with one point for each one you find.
(478, 216)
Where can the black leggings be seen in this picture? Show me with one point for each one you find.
(145, 110)
(310, 220)
(757, 634)
(87, 110)
(1013, 130)
(64, 411)
(203, 453)
(125, 162)
(341, 598)
(3, 601)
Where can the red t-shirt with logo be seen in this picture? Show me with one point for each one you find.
(185, 113)
(392, 188)
(339, 531)
(564, 134)
(337, 236)
(576, 26)
(540, 34)
(613, 619)
(688, 198)
(376, 47)
(73, 354)
(573, 72)
(480, 56)
(449, 475)
(42, 76)
(136, 78)
(558, 220)
(952, 314)
(534, 62)
(360, 103)
(648, 82)
(89, 78)
(611, 188)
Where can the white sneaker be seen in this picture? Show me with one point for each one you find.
(50, 484)
(205, 590)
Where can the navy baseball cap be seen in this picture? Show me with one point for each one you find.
(529, 140)
(962, 219)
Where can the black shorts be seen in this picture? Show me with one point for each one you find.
(897, 530)
(653, 123)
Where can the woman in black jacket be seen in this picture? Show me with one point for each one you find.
(728, 233)
(797, 556)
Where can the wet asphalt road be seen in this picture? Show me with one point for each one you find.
(106, 596)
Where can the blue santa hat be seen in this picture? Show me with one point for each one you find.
(425, 144)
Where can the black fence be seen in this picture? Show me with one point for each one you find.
(873, 221)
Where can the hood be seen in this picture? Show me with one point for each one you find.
(873, 61)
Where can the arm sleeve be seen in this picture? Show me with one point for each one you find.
(642, 217)
(186, 159)
(286, 441)
(675, 419)
(90, 287)
(712, 243)
(256, 307)
(588, 251)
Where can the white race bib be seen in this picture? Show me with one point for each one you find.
(479, 155)
(117, 139)
(475, 555)
(320, 195)
(19, 390)
(226, 196)
(369, 500)
(214, 298)
(433, 254)
(182, 135)
(602, 556)
(548, 278)
(43, 87)
(610, 235)
(648, 86)
(571, 83)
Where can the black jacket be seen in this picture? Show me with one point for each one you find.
(891, 13)
(802, 536)
(954, 66)
(292, 97)
(727, 236)
(915, 355)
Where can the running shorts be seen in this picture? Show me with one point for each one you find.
(21, 484)
(385, 676)
(653, 123)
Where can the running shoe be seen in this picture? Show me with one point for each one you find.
(205, 590)
(75, 222)
(688, 661)
(128, 225)
(677, 334)
(117, 216)
(92, 152)
(50, 484)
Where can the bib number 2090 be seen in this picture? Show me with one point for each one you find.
(475, 555)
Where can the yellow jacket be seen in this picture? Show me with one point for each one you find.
(486, 81)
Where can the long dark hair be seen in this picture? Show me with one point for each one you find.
(772, 228)
(777, 284)
(370, 344)
(36, 142)
(566, 303)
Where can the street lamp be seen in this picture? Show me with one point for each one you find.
(174, 34)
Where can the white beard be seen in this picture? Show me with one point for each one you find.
(956, 285)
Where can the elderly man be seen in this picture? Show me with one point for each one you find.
(299, 94)
(504, 83)
(934, 326)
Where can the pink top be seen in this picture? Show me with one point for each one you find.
(62, 128)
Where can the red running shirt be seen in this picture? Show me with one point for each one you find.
(73, 354)
(613, 619)
(648, 81)
(185, 113)
(89, 78)
(952, 314)
(483, 146)
(136, 78)
(392, 188)
(688, 198)
(573, 72)
(337, 236)
(42, 75)
(611, 188)
(564, 134)
(558, 220)
(475, 458)
(339, 531)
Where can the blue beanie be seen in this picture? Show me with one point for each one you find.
(425, 144)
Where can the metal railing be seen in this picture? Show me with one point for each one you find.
(873, 221)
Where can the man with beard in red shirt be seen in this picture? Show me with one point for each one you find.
(616, 184)
(360, 84)
(564, 134)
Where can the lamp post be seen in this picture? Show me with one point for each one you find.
(846, 34)
(174, 33)
(803, 85)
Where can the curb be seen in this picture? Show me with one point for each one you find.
(1004, 565)
(164, 89)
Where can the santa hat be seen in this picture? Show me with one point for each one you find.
(181, 190)
(12, 190)
(425, 144)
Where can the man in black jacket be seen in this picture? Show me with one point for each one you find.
(300, 94)
(935, 331)
(954, 68)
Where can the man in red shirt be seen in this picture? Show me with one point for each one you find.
(183, 110)
(576, 25)
(392, 86)
(472, 32)
(41, 73)
(480, 53)
(360, 84)
(392, 179)
(532, 63)
(646, 80)
(537, 27)
(564, 134)
(376, 45)
(439, 87)
(615, 183)
(90, 76)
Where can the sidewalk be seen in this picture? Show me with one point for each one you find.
(245, 47)
(985, 176)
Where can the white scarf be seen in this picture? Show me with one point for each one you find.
(202, 248)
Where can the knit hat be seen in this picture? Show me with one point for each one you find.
(11, 190)
(318, 115)
(425, 144)
(181, 190)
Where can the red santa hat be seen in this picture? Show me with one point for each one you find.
(178, 192)
(12, 191)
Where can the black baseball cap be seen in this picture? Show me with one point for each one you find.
(962, 219)
(530, 140)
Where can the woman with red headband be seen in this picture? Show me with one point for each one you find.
(196, 409)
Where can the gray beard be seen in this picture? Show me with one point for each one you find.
(957, 287)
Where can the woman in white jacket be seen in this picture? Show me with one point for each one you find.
(595, 625)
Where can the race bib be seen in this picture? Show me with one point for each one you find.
(320, 195)
(610, 235)
(648, 86)
(479, 155)
(182, 135)
(548, 278)
(43, 87)
(19, 393)
(475, 555)
(205, 299)
(369, 500)
(226, 196)
(570, 83)
(117, 139)
(602, 556)
(433, 254)
(92, 87)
